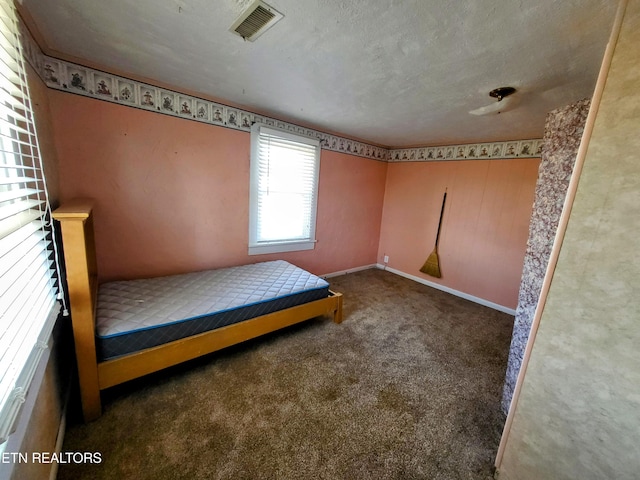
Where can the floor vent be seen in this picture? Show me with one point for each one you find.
(256, 20)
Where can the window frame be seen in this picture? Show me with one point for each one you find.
(30, 304)
(256, 246)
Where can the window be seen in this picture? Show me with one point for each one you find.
(284, 191)
(28, 305)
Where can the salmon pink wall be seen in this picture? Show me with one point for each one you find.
(172, 195)
(39, 94)
(484, 229)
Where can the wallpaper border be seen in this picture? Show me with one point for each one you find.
(472, 151)
(89, 82)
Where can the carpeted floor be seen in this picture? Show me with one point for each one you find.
(407, 387)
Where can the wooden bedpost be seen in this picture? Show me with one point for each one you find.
(76, 223)
(337, 313)
(82, 283)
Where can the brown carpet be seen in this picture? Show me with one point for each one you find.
(407, 387)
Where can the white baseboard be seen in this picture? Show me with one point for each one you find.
(457, 293)
(350, 270)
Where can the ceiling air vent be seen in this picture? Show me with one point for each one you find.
(256, 20)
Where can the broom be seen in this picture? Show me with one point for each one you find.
(432, 265)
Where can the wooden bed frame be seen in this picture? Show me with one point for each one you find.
(82, 280)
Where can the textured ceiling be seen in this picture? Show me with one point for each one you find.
(391, 72)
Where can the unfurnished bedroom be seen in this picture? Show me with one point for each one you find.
(253, 239)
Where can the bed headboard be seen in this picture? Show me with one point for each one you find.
(76, 224)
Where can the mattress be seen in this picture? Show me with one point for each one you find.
(136, 314)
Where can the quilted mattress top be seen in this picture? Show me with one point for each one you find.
(131, 305)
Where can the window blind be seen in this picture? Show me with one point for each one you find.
(28, 286)
(285, 170)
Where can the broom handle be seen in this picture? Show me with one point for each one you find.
(444, 199)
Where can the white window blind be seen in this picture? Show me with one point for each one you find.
(284, 191)
(28, 305)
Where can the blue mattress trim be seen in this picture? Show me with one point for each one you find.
(153, 327)
(135, 339)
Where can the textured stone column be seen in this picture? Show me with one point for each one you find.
(563, 132)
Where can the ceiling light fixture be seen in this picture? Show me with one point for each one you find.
(501, 105)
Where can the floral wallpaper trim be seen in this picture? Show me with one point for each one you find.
(62, 75)
(474, 151)
(81, 80)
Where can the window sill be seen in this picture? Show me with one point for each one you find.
(264, 248)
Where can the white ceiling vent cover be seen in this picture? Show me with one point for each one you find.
(256, 20)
